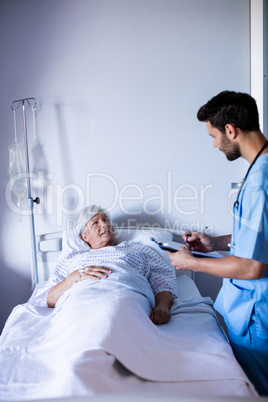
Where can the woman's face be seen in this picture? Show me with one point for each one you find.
(99, 231)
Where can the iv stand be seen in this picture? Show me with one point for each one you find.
(15, 106)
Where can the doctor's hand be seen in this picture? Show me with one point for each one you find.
(199, 241)
(182, 259)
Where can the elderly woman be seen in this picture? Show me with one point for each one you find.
(94, 227)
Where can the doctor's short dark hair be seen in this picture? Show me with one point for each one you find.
(229, 107)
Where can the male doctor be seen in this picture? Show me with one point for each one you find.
(233, 123)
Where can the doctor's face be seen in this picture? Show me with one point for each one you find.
(221, 141)
(99, 231)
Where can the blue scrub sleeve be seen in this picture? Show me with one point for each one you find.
(252, 237)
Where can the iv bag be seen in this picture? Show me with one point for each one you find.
(17, 174)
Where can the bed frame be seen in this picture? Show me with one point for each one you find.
(49, 247)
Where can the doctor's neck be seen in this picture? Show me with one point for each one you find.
(251, 143)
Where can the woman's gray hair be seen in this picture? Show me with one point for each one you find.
(86, 214)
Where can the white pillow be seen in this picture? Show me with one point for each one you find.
(143, 236)
(71, 242)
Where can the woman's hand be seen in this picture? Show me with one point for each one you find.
(160, 314)
(92, 272)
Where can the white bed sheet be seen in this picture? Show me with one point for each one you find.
(99, 374)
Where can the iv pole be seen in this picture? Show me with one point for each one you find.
(15, 106)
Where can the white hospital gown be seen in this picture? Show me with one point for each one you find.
(126, 255)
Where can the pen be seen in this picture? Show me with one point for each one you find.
(202, 231)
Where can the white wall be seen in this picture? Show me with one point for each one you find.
(118, 84)
(257, 55)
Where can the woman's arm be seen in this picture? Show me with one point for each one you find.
(92, 272)
(55, 293)
(163, 303)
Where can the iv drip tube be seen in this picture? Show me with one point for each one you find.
(15, 105)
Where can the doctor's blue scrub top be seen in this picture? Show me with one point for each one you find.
(240, 301)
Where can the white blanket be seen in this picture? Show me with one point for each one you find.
(42, 350)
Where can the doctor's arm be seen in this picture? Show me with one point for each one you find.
(226, 267)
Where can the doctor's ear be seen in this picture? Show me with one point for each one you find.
(231, 131)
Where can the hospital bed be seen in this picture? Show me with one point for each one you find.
(206, 369)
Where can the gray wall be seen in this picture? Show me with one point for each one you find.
(118, 84)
